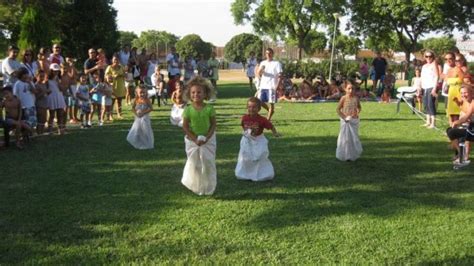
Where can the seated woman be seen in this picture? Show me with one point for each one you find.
(323, 88)
(305, 89)
(334, 92)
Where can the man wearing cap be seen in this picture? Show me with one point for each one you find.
(10, 66)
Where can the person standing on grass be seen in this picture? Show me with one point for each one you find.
(199, 125)
(10, 66)
(349, 147)
(140, 135)
(56, 57)
(117, 72)
(269, 72)
(251, 64)
(253, 163)
(380, 65)
(454, 133)
(25, 90)
(56, 103)
(429, 82)
(213, 73)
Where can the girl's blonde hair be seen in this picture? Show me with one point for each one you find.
(201, 82)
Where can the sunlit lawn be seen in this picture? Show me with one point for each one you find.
(90, 198)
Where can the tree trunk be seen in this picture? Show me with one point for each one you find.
(300, 53)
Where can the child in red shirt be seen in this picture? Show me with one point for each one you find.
(253, 163)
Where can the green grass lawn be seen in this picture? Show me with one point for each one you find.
(90, 198)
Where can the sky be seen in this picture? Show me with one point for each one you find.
(210, 19)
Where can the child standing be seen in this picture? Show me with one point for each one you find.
(199, 125)
(179, 103)
(42, 92)
(97, 93)
(388, 86)
(82, 94)
(349, 147)
(253, 163)
(56, 103)
(141, 134)
(416, 83)
(107, 101)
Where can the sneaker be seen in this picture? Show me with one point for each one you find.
(464, 163)
(89, 123)
(101, 123)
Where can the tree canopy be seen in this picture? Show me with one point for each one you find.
(287, 20)
(239, 47)
(439, 45)
(410, 19)
(155, 40)
(126, 38)
(193, 45)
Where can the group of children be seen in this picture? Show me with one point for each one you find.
(199, 125)
(321, 90)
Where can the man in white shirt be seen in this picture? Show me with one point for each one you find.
(10, 66)
(269, 72)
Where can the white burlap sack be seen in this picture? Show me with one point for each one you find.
(199, 174)
(348, 143)
(253, 163)
(141, 134)
(176, 117)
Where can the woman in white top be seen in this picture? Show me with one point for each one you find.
(429, 81)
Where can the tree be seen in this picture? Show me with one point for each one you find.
(36, 30)
(315, 42)
(240, 46)
(155, 40)
(126, 38)
(291, 21)
(193, 45)
(346, 45)
(86, 24)
(439, 45)
(409, 19)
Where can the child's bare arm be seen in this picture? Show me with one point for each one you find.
(339, 108)
(188, 131)
(274, 132)
(212, 128)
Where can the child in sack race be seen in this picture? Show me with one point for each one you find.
(140, 135)
(349, 147)
(199, 125)
(253, 163)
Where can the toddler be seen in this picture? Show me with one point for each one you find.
(179, 103)
(140, 135)
(107, 101)
(253, 163)
(82, 94)
(199, 125)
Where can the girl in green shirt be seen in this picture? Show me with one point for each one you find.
(199, 125)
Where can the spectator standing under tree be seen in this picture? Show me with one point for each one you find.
(92, 65)
(202, 66)
(380, 65)
(269, 72)
(10, 66)
(174, 72)
(429, 81)
(56, 57)
(213, 72)
(124, 55)
(29, 63)
(251, 64)
(364, 72)
(142, 62)
(43, 63)
(117, 72)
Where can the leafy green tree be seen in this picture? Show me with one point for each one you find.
(86, 24)
(287, 20)
(409, 19)
(193, 45)
(36, 31)
(346, 45)
(315, 42)
(439, 45)
(126, 38)
(155, 40)
(239, 47)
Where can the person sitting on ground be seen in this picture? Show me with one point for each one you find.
(305, 89)
(334, 92)
(13, 114)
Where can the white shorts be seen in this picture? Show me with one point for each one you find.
(267, 95)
